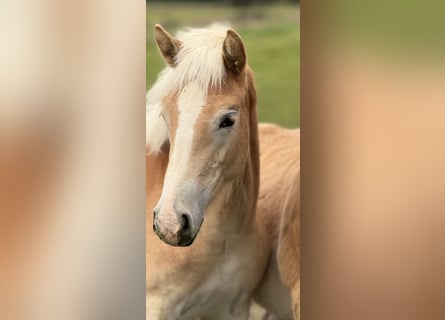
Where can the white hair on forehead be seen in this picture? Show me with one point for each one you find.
(200, 57)
(199, 61)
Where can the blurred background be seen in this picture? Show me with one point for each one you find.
(271, 32)
(72, 160)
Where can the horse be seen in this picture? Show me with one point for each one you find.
(202, 164)
(278, 215)
(207, 249)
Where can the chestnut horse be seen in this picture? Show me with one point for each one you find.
(207, 250)
(202, 164)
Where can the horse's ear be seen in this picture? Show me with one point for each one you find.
(233, 52)
(167, 44)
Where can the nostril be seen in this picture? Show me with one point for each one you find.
(185, 222)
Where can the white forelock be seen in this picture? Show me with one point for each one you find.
(198, 61)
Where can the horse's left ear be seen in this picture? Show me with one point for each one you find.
(233, 52)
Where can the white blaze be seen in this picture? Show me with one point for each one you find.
(190, 102)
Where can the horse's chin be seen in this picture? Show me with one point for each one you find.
(182, 242)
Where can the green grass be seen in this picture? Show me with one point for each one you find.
(272, 38)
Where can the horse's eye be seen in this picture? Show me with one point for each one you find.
(227, 121)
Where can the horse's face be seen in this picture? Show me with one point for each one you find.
(208, 134)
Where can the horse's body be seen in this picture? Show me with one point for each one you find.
(278, 216)
(203, 175)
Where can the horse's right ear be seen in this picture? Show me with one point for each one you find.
(167, 44)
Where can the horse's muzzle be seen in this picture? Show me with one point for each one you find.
(175, 232)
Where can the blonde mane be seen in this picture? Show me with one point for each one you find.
(200, 61)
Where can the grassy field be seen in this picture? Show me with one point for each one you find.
(272, 37)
